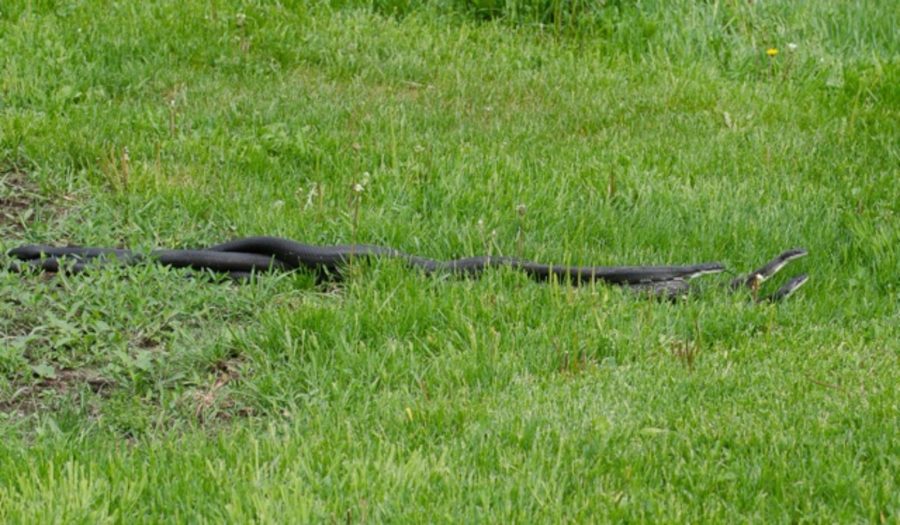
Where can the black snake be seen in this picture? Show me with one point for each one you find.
(243, 257)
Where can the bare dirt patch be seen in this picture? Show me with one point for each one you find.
(213, 402)
(22, 202)
(48, 391)
(18, 199)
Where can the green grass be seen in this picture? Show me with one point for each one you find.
(633, 132)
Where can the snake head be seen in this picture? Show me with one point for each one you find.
(768, 270)
(789, 288)
(754, 279)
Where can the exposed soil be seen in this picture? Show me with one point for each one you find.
(18, 199)
(213, 402)
(43, 394)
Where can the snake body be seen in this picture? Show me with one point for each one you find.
(332, 258)
(266, 253)
(242, 257)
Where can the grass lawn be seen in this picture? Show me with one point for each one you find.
(632, 132)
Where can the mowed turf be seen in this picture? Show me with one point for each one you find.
(635, 133)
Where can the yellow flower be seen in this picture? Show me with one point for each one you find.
(772, 51)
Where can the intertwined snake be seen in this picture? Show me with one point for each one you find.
(243, 257)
